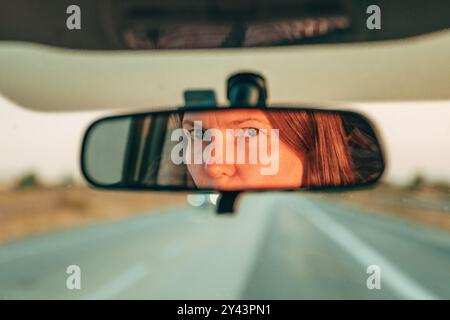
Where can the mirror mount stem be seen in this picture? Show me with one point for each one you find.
(226, 202)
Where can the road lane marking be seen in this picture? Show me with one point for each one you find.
(395, 278)
(119, 284)
(398, 226)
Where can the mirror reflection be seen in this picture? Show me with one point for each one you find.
(232, 149)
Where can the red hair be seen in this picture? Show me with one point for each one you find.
(320, 140)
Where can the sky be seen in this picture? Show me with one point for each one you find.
(415, 135)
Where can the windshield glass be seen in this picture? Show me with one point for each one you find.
(63, 239)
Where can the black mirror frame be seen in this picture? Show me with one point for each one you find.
(140, 188)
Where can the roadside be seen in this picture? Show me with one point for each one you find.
(41, 209)
(29, 207)
(420, 202)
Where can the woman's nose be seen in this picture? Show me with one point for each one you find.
(220, 170)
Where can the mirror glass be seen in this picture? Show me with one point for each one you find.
(232, 149)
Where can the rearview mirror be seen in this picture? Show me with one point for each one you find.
(224, 149)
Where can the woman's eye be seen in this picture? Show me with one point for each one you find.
(196, 134)
(251, 132)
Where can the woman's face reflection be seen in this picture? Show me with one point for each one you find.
(239, 150)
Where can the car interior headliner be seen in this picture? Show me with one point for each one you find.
(47, 79)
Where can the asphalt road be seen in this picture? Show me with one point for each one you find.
(279, 245)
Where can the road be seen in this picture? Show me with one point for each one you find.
(279, 245)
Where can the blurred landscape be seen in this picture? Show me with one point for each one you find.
(419, 201)
(29, 206)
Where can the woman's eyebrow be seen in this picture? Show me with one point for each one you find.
(188, 123)
(240, 121)
(232, 122)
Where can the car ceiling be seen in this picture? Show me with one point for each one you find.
(107, 24)
(48, 79)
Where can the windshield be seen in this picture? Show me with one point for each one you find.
(60, 238)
